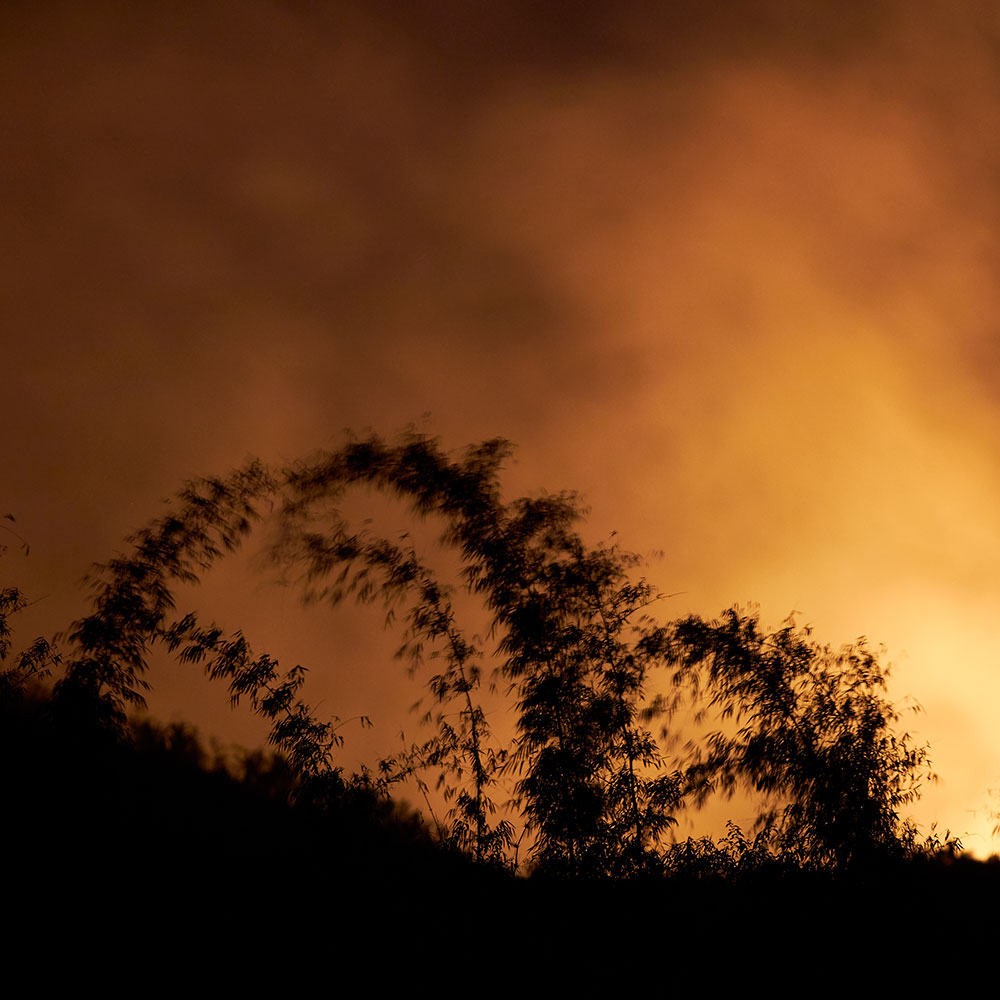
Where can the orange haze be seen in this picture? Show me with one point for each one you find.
(731, 273)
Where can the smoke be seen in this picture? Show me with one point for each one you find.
(727, 268)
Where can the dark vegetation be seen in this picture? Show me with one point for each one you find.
(596, 685)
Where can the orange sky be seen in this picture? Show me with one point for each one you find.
(730, 272)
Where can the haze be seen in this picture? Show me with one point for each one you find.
(729, 271)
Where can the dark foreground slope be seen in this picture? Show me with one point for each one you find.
(109, 845)
(81, 806)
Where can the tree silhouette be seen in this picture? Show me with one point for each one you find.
(566, 621)
(37, 660)
(815, 733)
(571, 642)
(131, 594)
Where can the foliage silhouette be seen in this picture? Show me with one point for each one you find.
(29, 665)
(565, 621)
(92, 799)
(570, 643)
(131, 594)
(815, 730)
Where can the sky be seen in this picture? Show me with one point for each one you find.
(730, 270)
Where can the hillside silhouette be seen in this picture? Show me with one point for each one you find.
(140, 838)
(85, 801)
